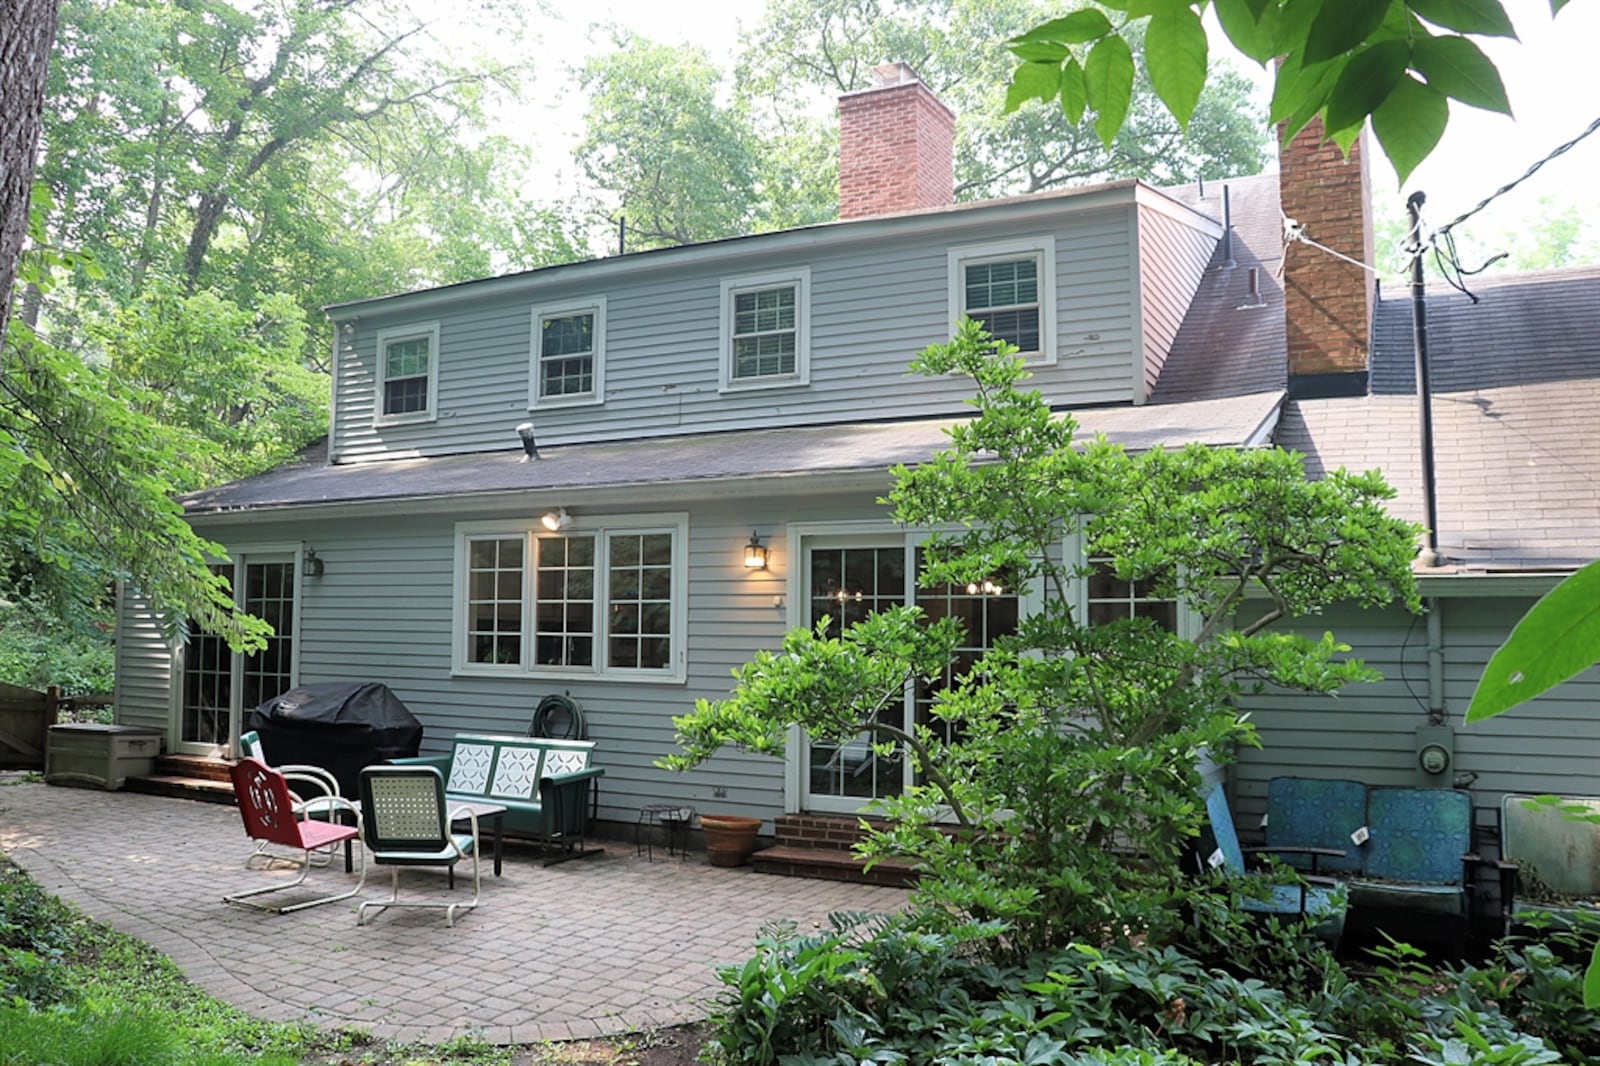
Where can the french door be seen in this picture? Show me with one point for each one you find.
(849, 576)
(219, 685)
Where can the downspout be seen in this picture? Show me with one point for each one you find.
(1437, 713)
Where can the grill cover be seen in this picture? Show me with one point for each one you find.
(340, 726)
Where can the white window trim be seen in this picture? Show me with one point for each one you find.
(380, 376)
(1189, 623)
(1044, 247)
(676, 523)
(595, 305)
(800, 278)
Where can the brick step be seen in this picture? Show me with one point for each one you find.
(830, 831)
(179, 786)
(203, 767)
(832, 864)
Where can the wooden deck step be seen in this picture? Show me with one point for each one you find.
(832, 864)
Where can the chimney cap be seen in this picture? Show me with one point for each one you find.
(896, 73)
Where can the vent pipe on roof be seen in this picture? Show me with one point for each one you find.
(1227, 230)
(1252, 297)
(1419, 336)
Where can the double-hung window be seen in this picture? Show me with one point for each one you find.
(408, 374)
(568, 354)
(1008, 287)
(600, 598)
(766, 332)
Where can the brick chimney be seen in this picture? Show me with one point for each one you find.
(896, 146)
(1328, 302)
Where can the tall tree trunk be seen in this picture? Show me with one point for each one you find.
(27, 30)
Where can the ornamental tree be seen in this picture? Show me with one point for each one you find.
(1057, 787)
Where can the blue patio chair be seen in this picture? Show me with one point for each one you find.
(1324, 902)
(1320, 816)
(1418, 856)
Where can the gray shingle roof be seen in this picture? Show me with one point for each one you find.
(1516, 401)
(759, 454)
(1225, 348)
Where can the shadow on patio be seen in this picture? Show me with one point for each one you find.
(592, 947)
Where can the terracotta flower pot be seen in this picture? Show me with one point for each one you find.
(730, 838)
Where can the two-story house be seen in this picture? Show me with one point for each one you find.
(619, 479)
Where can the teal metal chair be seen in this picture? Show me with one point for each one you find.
(405, 821)
(1418, 859)
(1326, 904)
(1322, 817)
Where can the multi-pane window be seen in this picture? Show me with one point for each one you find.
(407, 378)
(1003, 294)
(569, 353)
(764, 333)
(1109, 598)
(590, 601)
(494, 599)
(563, 625)
(1008, 287)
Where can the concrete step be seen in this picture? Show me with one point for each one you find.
(832, 864)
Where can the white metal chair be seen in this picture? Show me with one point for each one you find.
(314, 793)
(269, 816)
(406, 822)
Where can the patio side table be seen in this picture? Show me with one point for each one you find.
(673, 818)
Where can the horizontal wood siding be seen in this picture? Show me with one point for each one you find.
(1368, 732)
(873, 307)
(144, 665)
(382, 611)
(1172, 259)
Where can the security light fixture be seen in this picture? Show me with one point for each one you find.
(314, 566)
(557, 520)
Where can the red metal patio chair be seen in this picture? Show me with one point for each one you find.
(269, 815)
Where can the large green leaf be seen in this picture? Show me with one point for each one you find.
(1459, 69)
(1557, 639)
(1050, 52)
(1033, 81)
(1175, 55)
(1409, 123)
(1343, 25)
(1108, 83)
(1366, 82)
(1076, 28)
(1556, 6)
(1591, 976)
(1074, 97)
(1485, 18)
(1252, 26)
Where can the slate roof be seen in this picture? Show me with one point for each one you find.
(722, 457)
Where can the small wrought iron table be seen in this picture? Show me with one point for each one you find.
(674, 818)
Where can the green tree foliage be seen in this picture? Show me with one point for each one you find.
(1069, 743)
(1398, 62)
(677, 165)
(805, 53)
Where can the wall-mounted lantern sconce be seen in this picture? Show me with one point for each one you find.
(557, 520)
(314, 566)
(530, 447)
(755, 554)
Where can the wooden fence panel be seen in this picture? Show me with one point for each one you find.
(25, 717)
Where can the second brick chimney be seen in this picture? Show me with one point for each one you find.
(1328, 302)
(896, 146)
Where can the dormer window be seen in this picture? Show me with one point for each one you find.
(1008, 287)
(766, 332)
(568, 354)
(408, 379)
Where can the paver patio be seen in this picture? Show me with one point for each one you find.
(593, 947)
